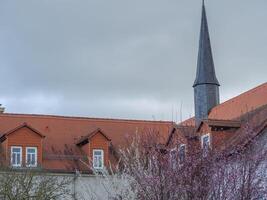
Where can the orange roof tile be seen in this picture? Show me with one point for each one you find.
(236, 107)
(188, 122)
(62, 133)
(254, 123)
(244, 103)
(86, 138)
(232, 111)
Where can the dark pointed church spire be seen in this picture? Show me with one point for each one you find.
(205, 66)
(206, 85)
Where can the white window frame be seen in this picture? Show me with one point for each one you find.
(180, 146)
(173, 157)
(11, 159)
(205, 153)
(202, 140)
(102, 158)
(26, 158)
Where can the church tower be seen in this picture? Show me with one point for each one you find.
(206, 85)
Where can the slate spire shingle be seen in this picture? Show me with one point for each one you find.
(205, 66)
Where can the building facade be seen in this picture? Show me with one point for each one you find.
(61, 144)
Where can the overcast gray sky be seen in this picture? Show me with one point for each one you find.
(124, 58)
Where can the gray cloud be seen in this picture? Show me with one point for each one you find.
(121, 58)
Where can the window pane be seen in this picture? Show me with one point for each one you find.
(206, 139)
(13, 159)
(182, 153)
(16, 150)
(95, 162)
(97, 153)
(18, 159)
(33, 159)
(100, 162)
(206, 144)
(15, 156)
(97, 158)
(31, 150)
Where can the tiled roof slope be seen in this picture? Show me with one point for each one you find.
(62, 133)
(254, 123)
(237, 106)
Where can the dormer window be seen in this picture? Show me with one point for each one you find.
(98, 159)
(31, 156)
(26, 152)
(205, 144)
(98, 147)
(16, 156)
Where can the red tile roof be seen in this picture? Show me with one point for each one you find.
(62, 133)
(237, 106)
(232, 111)
(253, 124)
(188, 122)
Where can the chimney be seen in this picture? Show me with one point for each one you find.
(2, 109)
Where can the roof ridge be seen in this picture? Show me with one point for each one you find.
(82, 118)
(222, 120)
(242, 94)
